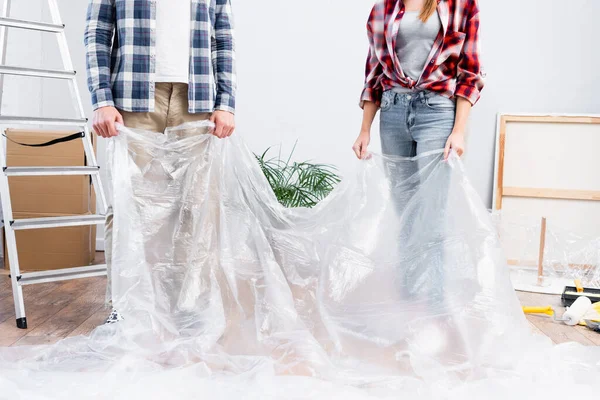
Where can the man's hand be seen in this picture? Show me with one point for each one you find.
(224, 123)
(104, 121)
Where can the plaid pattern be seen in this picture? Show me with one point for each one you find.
(453, 68)
(122, 73)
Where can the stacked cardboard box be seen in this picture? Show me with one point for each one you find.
(49, 196)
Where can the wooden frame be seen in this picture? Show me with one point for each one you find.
(501, 191)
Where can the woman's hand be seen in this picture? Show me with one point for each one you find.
(361, 144)
(455, 142)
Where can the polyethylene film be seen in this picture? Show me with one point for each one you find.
(395, 286)
(566, 256)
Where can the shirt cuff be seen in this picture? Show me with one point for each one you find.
(471, 93)
(225, 102)
(102, 98)
(225, 108)
(369, 94)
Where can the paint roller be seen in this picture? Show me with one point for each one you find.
(571, 317)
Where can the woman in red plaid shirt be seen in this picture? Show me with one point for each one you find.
(423, 73)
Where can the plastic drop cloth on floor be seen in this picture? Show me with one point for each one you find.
(395, 286)
(567, 255)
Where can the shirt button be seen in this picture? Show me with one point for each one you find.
(409, 97)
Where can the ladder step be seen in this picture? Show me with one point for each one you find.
(30, 278)
(7, 120)
(31, 25)
(50, 171)
(57, 222)
(38, 73)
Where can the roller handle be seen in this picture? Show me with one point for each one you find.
(539, 310)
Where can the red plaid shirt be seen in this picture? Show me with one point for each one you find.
(453, 67)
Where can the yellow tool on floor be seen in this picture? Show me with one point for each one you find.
(578, 286)
(574, 314)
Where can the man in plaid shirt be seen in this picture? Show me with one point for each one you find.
(154, 64)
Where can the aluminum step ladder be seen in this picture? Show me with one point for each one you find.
(19, 279)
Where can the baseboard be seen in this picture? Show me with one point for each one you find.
(99, 244)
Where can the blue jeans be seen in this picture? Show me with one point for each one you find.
(413, 124)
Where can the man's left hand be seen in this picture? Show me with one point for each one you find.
(224, 123)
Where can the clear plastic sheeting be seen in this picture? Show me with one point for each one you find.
(395, 286)
(567, 256)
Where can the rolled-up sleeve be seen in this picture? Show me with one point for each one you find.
(98, 37)
(470, 79)
(372, 90)
(223, 55)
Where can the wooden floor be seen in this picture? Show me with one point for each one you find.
(62, 309)
(54, 310)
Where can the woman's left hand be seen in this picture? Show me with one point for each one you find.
(455, 142)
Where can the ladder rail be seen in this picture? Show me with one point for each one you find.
(58, 275)
(50, 171)
(32, 25)
(4, 13)
(92, 161)
(17, 279)
(76, 97)
(17, 120)
(9, 234)
(35, 72)
(56, 222)
(11, 244)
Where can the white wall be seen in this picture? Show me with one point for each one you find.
(541, 56)
(301, 71)
(21, 95)
(301, 68)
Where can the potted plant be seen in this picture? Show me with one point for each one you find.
(298, 184)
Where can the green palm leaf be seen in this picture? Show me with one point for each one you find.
(298, 184)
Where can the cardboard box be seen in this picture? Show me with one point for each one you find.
(68, 195)
(56, 248)
(50, 196)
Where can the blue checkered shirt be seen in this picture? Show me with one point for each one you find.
(121, 71)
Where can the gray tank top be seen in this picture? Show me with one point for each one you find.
(414, 42)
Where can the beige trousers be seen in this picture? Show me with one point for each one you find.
(171, 109)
